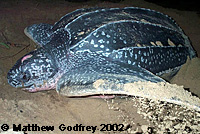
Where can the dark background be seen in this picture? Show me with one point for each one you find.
(190, 5)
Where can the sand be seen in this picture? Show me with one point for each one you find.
(47, 108)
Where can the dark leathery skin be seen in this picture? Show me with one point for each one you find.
(134, 41)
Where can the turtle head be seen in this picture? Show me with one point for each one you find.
(39, 33)
(33, 72)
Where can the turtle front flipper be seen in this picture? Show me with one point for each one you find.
(82, 81)
(119, 78)
(39, 33)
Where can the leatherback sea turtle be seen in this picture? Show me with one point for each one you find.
(122, 45)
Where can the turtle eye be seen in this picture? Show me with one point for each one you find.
(25, 77)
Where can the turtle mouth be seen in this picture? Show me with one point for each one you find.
(34, 88)
(30, 88)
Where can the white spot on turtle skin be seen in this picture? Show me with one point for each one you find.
(120, 54)
(151, 51)
(131, 53)
(144, 21)
(108, 36)
(170, 42)
(101, 41)
(108, 42)
(114, 41)
(125, 55)
(95, 45)
(129, 62)
(101, 46)
(142, 59)
(106, 54)
(152, 43)
(92, 42)
(133, 63)
(103, 33)
(81, 33)
(138, 45)
(95, 33)
(99, 52)
(135, 56)
(158, 43)
(107, 49)
(124, 41)
(147, 53)
(145, 61)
